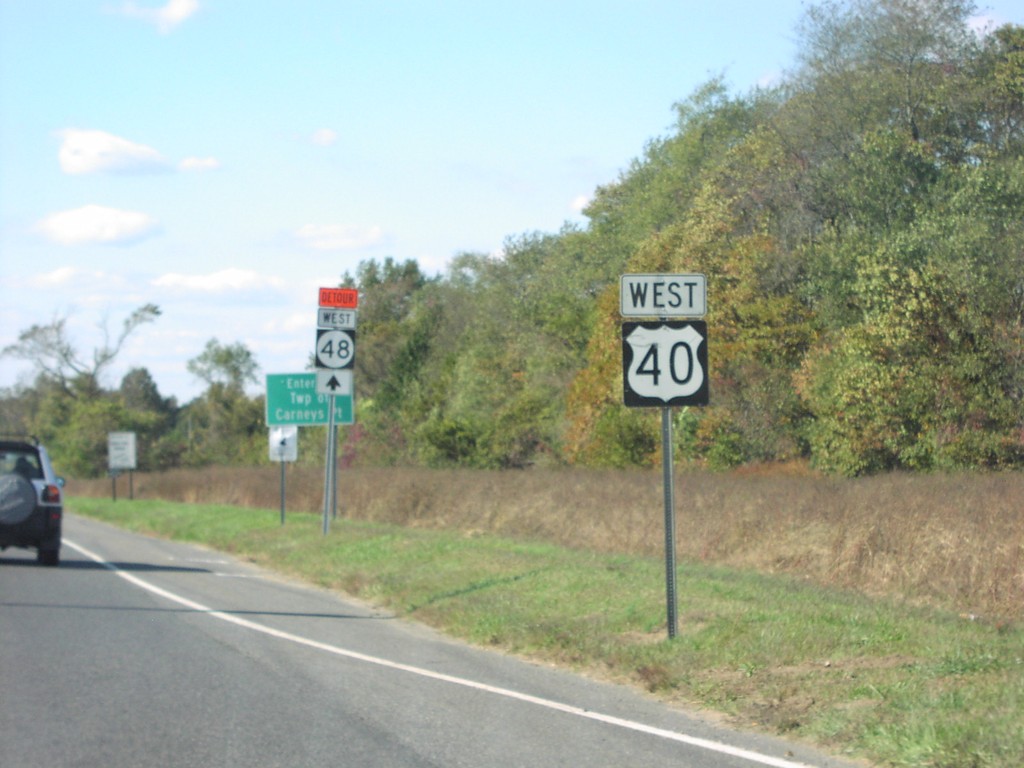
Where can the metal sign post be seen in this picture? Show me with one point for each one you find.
(282, 491)
(665, 364)
(284, 446)
(670, 521)
(334, 472)
(329, 478)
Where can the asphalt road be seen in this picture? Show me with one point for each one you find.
(142, 652)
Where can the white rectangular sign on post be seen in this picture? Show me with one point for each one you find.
(284, 443)
(330, 382)
(338, 319)
(121, 450)
(644, 295)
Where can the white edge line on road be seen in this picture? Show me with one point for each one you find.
(713, 746)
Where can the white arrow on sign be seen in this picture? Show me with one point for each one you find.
(284, 443)
(665, 364)
(331, 382)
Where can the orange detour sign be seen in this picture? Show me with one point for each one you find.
(340, 298)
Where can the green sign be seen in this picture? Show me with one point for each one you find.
(292, 399)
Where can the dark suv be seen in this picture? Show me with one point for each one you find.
(31, 507)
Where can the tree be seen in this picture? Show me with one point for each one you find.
(896, 63)
(387, 289)
(388, 292)
(140, 392)
(54, 355)
(658, 188)
(158, 446)
(223, 425)
(75, 428)
(876, 76)
(932, 376)
(231, 365)
(1001, 69)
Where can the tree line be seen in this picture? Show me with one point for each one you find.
(861, 227)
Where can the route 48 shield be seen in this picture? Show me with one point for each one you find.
(335, 349)
(665, 363)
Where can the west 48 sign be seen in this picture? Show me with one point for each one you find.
(665, 363)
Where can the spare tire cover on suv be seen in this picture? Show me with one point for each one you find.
(17, 499)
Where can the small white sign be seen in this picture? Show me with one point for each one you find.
(330, 382)
(338, 319)
(121, 450)
(663, 295)
(284, 443)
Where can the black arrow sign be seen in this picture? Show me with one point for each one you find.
(333, 384)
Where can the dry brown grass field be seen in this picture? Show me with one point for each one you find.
(950, 541)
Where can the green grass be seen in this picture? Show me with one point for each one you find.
(898, 684)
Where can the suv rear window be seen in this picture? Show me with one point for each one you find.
(24, 463)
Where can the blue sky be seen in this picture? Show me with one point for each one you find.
(224, 158)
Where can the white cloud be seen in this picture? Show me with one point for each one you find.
(983, 24)
(770, 79)
(87, 286)
(338, 237)
(164, 18)
(325, 137)
(224, 281)
(57, 278)
(90, 151)
(97, 224)
(579, 203)
(297, 321)
(199, 164)
(433, 264)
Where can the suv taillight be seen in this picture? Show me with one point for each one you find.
(51, 494)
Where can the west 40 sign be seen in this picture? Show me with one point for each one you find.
(665, 363)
